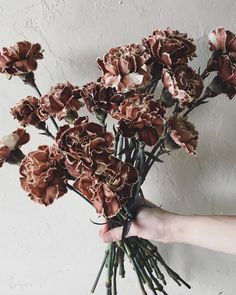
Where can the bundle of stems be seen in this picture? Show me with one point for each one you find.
(144, 256)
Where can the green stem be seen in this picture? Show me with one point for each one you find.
(141, 269)
(160, 152)
(48, 133)
(34, 85)
(115, 266)
(121, 264)
(159, 274)
(170, 272)
(109, 269)
(54, 122)
(149, 159)
(143, 257)
(100, 271)
(120, 147)
(141, 167)
(70, 187)
(117, 137)
(196, 104)
(137, 270)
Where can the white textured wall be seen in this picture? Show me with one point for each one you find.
(56, 250)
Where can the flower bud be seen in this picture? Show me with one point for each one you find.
(10, 147)
(216, 87)
(167, 99)
(170, 144)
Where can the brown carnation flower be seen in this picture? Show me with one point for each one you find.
(42, 176)
(170, 47)
(81, 143)
(110, 188)
(63, 101)
(10, 146)
(21, 58)
(227, 70)
(171, 86)
(188, 80)
(104, 200)
(224, 40)
(125, 68)
(100, 99)
(29, 112)
(183, 83)
(183, 134)
(141, 116)
(119, 176)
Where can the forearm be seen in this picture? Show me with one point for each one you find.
(212, 232)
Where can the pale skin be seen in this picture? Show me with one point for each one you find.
(213, 232)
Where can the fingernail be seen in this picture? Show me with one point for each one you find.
(107, 238)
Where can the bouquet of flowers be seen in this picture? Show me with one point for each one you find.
(148, 90)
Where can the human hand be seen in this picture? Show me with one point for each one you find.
(149, 224)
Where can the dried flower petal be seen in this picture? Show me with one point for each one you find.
(124, 67)
(29, 112)
(183, 83)
(63, 101)
(217, 39)
(170, 47)
(82, 142)
(42, 176)
(141, 116)
(110, 187)
(20, 58)
(100, 99)
(10, 146)
(183, 133)
(224, 40)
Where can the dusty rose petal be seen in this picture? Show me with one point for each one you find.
(184, 134)
(62, 101)
(217, 39)
(141, 116)
(20, 58)
(124, 67)
(43, 176)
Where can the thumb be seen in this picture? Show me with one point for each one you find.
(114, 235)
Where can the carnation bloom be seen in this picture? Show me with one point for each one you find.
(10, 146)
(42, 176)
(183, 83)
(224, 40)
(223, 44)
(170, 47)
(182, 133)
(63, 101)
(171, 85)
(29, 112)
(81, 143)
(20, 58)
(125, 68)
(100, 99)
(188, 80)
(141, 116)
(104, 200)
(226, 69)
(110, 187)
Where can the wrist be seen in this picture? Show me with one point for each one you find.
(173, 228)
